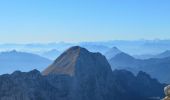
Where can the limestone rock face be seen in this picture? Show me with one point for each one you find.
(166, 98)
(65, 63)
(28, 86)
(90, 71)
(167, 92)
(77, 59)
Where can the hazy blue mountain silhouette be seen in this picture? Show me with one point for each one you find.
(112, 52)
(160, 55)
(51, 54)
(156, 67)
(129, 46)
(163, 54)
(14, 60)
(144, 56)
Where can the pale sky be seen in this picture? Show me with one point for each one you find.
(26, 21)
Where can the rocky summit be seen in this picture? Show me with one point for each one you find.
(79, 75)
(77, 60)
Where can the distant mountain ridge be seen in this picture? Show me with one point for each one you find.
(152, 66)
(112, 52)
(15, 60)
(163, 54)
(51, 54)
(148, 56)
(129, 46)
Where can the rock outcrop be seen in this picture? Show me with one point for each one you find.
(167, 92)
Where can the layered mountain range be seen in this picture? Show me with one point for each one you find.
(157, 67)
(16, 60)
(51, 54)
(78, 74)
(164, 54)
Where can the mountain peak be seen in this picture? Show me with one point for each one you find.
(112, 52)
(76, 59)
(73, 52)
(75, 48)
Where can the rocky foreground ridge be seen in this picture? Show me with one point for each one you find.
(79, 75)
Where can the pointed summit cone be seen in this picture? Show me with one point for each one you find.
(112, 52)
(77, 60)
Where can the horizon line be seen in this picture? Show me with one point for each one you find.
(74, 42)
